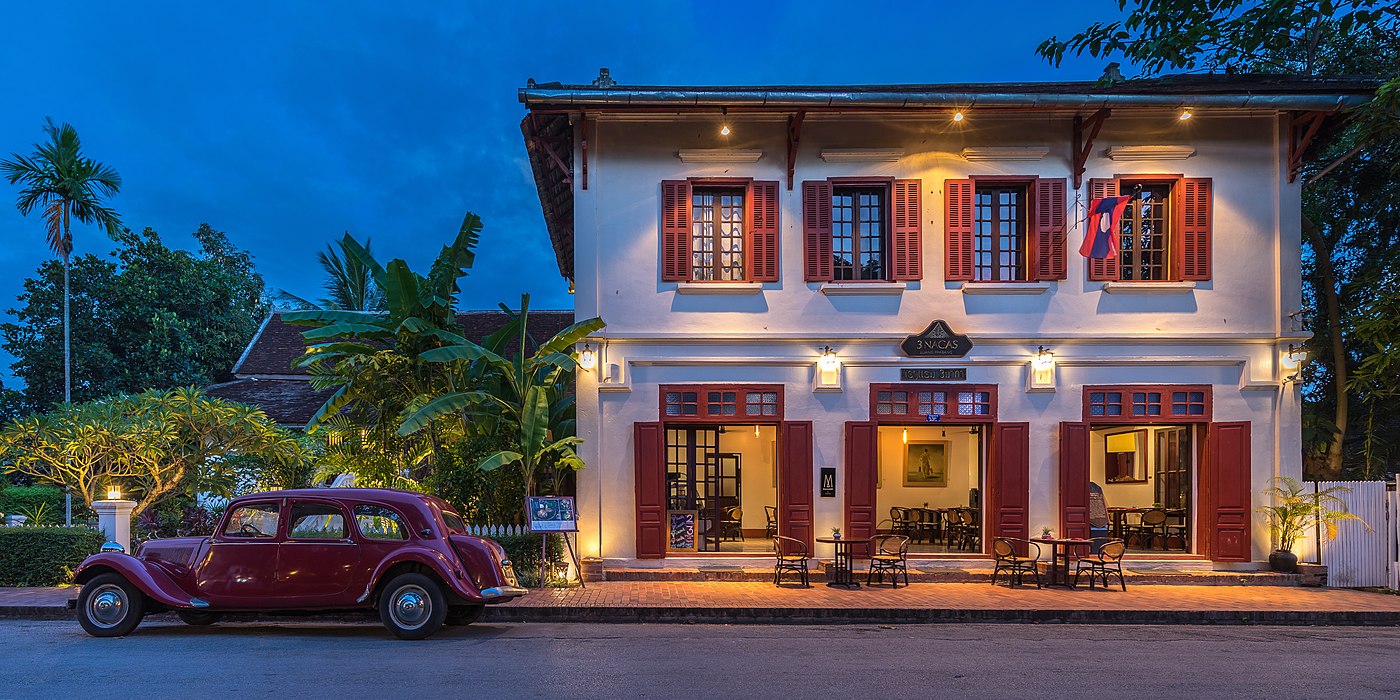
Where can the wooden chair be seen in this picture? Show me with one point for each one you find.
(1015, 565)
(1152, 525)
(791, 555)
(967, 532)
(1108, 560)
(889, 553)
(770, 528)
(902, 521)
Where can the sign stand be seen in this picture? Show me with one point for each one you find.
(554, 515)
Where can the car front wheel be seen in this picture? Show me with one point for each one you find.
(198, 617)
(109, 606)
(464, 614)
(412, 606)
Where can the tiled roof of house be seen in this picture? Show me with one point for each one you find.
(289, 402)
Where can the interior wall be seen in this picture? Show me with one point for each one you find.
(1128, 495)
(757, 483)
(962, 468)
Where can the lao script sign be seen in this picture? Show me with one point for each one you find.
(938, 340)
(933, 374)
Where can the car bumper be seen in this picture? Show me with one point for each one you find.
(502, 594)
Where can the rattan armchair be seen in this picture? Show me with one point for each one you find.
(889, 554)
(791, 555)
(770, 515)
(1015, 565)
(1152, 525)
(731, 523)
(1109, 559)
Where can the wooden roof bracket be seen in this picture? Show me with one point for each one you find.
(1302, 130)
(794, 136)
(1082, 146)
(548, 145)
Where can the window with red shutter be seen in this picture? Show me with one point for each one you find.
(1103, 268)
(1196, 208)
(816, 230)
(856, 229)
(765, 243)
(719, 230)
(1050, 228)
(959, 225)
(675, 230)
(1166, 229)
(908, 230)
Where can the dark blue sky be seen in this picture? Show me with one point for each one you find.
(287, 123)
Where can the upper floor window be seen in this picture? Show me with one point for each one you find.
(719, 230)
(1166, 229)
(1007, 229)
(862, 230)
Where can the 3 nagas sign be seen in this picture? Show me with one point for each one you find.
(938, 340)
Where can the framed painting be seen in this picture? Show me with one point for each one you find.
(926, 463)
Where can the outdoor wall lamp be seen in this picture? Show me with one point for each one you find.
(828, 360)
(828, 370)
(1292, 362)
(1042, 375)
(586, 359)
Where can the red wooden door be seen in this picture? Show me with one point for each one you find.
(1229, 496)
(1009, 477)
(1074, 479)
(862, 459)
(649, 449)
(795, 480)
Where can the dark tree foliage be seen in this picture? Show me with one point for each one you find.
(156, 317)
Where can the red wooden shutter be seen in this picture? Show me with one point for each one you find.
(648, 444)
(908, 231)
(1050, 229)
(1195, 228)
(1107, 268)
(675, 230)
(1010, 477)
(763, 231)
(795, 480)
(1229, 491)
(816, 229)
(1074, 479)
(960, 219)
(862, 459)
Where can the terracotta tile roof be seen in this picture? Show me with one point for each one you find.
(289, 402)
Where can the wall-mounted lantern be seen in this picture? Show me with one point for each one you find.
(1291, 361)
(587, 359)
(1042, 374)
(828, 370)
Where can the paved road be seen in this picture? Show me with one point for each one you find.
(303, 660)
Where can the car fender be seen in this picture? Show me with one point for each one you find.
(449, 571)
(150, 578)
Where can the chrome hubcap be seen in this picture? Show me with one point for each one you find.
(107, 606)
(410, 607)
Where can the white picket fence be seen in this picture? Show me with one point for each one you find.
(497, 530)
(1393, 535)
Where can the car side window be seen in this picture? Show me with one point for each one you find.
(317, 521)
(380, 523)
(252, 521)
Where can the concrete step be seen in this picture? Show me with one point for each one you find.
(1154, 573)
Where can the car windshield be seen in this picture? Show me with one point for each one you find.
(454, 522)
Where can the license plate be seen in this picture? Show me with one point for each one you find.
(509, 571)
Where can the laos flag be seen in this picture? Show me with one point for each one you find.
(1105, 221)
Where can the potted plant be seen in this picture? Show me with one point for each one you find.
(1046, 533)
(1295, 511)
(835, 533)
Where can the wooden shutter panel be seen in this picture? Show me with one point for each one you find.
(763, 231)
(1107, 268)
(1229, 512)
(648, 445)
(795, 480)
(1010, 477)
(960, 219)
(862, 460)
(1074, 480)
(1196, 208)
(1050, 228)
(908, 231)
(675, 230)
(816, 229)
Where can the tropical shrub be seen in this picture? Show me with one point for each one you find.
(17, 500)
(524, 554)
(44, 556)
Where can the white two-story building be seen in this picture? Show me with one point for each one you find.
(864, 308)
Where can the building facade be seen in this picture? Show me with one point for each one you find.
(864, 308)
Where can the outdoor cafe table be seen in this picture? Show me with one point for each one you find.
(1059, 552)
(843, 563)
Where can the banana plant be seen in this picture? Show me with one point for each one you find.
(529, 390)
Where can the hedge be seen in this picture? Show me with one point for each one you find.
(17, 500)
(524, 554)
(44, 556)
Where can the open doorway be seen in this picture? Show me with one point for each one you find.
(929, 486)
(1146, 476)
(722, 480)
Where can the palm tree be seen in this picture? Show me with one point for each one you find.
(349, 283)
(66, 185)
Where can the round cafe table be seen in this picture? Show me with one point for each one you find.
(843, 563)
(1059, 552)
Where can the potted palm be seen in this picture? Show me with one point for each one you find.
(1294, 511)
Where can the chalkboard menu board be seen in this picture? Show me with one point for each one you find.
(552, 514)
(681, 529)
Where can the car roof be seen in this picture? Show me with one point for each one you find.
(389, 496)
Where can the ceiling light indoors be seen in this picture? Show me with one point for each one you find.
(1185, 114)
(958, 116)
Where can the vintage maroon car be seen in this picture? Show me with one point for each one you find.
(404, 554)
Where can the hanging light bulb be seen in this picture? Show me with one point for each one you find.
(724, 130)
(724, 122)
(586, 359)
(755, 431)
(1185, 114)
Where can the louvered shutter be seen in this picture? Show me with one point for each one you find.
(1196, 208)
(1107, 268)
(816, 229)
(908, 231)
(675, 230)
(1050, 229)
(649, 449)
(763, 231)
(959, 224)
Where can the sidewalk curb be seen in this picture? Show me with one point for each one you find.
(828, 616)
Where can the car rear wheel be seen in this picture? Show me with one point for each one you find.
(412, 606)
(198, 617)
(464, 614)
(110, 606)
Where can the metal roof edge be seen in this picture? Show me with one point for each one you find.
(242, 358)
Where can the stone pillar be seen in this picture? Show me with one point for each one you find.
(114, 519)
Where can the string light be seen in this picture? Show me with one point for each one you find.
(1185, 114)
(958, 116)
